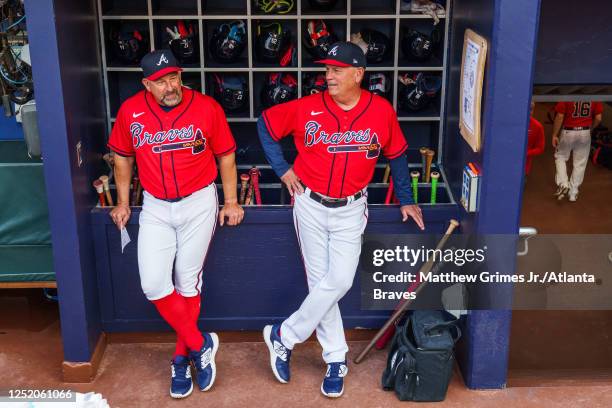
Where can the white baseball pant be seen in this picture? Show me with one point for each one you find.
(175, 236)
(577, 142)
(330, 242)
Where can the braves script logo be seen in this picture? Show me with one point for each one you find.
(187, 139)
(334, 51)
(350, 141)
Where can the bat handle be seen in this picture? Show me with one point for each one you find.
(415, 186)
(434, 186)
(244, 181)
(387, 172)
(423, 151)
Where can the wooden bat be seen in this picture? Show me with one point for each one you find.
(387, 172)
(135, 186)
(249, 195)
(430, 155)
(100, 190)
(403, 306)
(106, 185)
(254, 173)
(244, 185)
(423, 150)
(109, 159)
(138, 194)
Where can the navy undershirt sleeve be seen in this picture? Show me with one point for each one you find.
(272, 149)
(401, 180)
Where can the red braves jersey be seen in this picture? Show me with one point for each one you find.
(337, 150)
(535, 142)
(578, 114)
(174, 150)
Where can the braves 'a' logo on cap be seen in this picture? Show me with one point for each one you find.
(162, 59)
(334, 50)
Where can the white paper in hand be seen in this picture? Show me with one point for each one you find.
(125, 238)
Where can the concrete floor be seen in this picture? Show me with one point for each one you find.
(577, 341)
(137, 374)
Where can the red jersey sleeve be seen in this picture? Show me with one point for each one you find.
(396, 144)
(561, 107)
(281, 119)
(221, 141)
(120, 140)
(536, 138)
(597, 108)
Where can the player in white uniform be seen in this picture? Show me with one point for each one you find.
(339, 135)
(572, 129)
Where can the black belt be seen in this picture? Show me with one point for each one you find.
(577, 128)
(334, 202)
(173, 200)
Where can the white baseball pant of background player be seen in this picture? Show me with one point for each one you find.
(578, 142)
(175, 236)
(330, 241)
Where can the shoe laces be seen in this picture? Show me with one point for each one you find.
(181, 370)
(205, 358)
(281, 351)
(336, 370)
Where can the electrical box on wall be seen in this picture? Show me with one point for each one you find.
(470, 189)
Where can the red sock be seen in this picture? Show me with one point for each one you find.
(193, 304)
(173, 308)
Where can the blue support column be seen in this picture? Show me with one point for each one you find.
(508, 92)
(65, 62)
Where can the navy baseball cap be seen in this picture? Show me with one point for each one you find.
(158, 63)
(344, 54)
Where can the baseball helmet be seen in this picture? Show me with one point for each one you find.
(231, 91)
(318, 38)
(379, 45)
(279, 88)
(313, 83)
(128, 46)
(418, 46)
(417, 91)
(272, 42)
(378, 83)
(274, 6)
(323, 5)
(183, 43)
(228, 41)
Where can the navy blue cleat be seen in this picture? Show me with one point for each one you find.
(279, 354)
(181, 384)
(204, 361)
(333, 383)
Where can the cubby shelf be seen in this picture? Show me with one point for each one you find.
(424, 128)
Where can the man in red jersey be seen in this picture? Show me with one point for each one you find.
(339, 135)
(535, 140)
(572, 135)
(175, 134)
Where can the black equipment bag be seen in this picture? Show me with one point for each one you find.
(421, 359)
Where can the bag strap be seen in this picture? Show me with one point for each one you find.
(452, 324)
